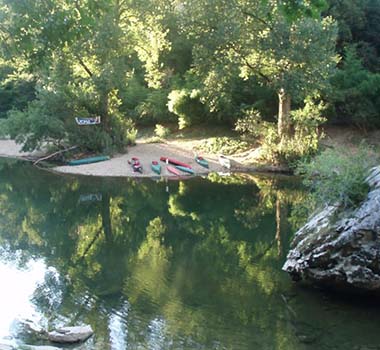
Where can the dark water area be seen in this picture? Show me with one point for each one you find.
(154, 264)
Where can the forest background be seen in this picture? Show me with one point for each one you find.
(274, 71)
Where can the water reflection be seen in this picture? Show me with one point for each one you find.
(166, 265)
(17, 288)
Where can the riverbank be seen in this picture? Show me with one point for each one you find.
(183, 149)
(118, 165)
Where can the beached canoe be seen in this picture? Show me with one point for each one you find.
(201, 161)
(156, 167)
(88, 160)
(136, 165)
(174, 162)
(185, 169)
(225, 162)
(173, 170)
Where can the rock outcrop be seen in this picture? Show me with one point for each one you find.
(341, 251)
(70, 334)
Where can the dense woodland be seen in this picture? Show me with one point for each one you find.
(274, 70)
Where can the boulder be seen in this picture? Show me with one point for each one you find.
(70, 334)
(341, 249)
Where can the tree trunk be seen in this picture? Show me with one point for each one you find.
(106, 217)
(104, 109)
(284, 100)
(281, 222)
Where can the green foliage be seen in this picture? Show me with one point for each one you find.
(336, 176)
(224, 145)
(154, 108)
(303, 142)
(186, 104)
(251, 124)
(16, 90)
(305, 138)
(41, 122)
(161, 131)
(356, 92)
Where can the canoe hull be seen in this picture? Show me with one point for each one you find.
(225, 162)
(185, 169)
(156, 168)
(201, 161)
(173, 170)
(174, 162)
(88, 160)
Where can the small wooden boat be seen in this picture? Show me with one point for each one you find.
(173, 170)
(136, 165)
(201, 161)
(88, 160)
(174, 162)
(225, 162)
(185, 169)
(156, 167)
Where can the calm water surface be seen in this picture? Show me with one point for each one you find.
(190, 264)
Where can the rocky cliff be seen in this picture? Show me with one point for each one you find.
(341, 250)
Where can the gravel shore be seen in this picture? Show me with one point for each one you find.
(118, 165)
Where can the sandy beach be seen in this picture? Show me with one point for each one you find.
(118, 164)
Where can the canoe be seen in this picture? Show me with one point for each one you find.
(173, 170)
(174, 162)
(225, 162)
(156, 167)
(136, 165)
(185, 169)
(88, 160)
(201, 161)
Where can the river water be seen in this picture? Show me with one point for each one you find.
(153, 264)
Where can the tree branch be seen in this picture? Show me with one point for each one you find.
(84, 66)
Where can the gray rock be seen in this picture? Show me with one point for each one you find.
(70, 334)
(341, 251)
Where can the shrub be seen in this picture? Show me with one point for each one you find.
(302, 142)
(224, 145)
(187, 105)
(161, 131)
(251, 123)
(337, 175)
(154, 108)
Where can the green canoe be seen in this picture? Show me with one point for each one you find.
(185, 169)
(88, 160)
(156, 167)
(201, 161)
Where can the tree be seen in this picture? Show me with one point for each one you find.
(83, 55)
(294, 56)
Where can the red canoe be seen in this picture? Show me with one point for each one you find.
(174, 161)
(173, 170)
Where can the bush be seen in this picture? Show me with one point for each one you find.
(251, 123)
(337, 175)
(302, 142)
(154, 108)
(186, 104)
(223, 145)
(161, 131)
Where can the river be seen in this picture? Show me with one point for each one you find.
(155, 264)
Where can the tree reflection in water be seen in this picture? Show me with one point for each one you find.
(162, 265)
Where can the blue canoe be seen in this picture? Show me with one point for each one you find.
(88, 160)
(185, 169)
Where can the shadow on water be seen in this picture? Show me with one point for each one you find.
(165, 265)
